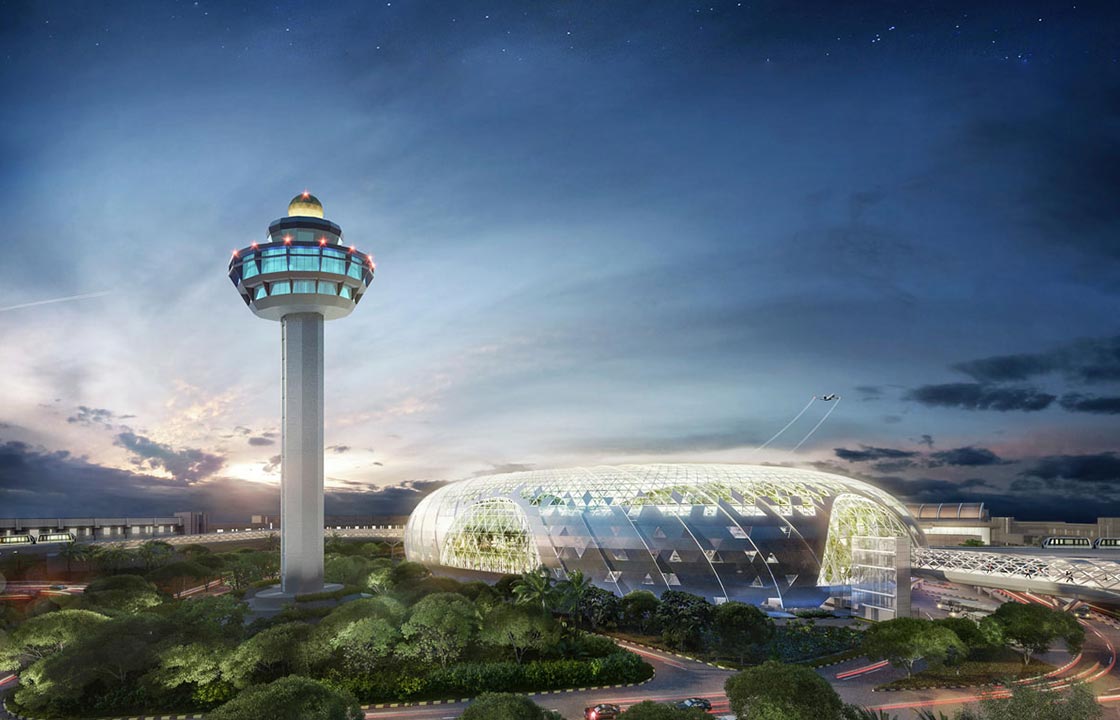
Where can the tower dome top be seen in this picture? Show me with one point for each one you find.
(305, 205)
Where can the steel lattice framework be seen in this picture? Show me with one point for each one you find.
(1044, 571)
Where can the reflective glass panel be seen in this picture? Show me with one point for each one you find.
(260, 292)
(249, 269)
(333, 265)
(280, 288)
(355, 270)
(305, 262)
(346, 292)
(303, 286)
(328, 288)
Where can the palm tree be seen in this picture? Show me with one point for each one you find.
(535, 588)
(572, 592)
(154, 553)
(111, 557)
(73, 552)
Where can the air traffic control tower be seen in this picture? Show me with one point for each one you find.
(301, 275)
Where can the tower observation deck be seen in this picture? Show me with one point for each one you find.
(301, 275)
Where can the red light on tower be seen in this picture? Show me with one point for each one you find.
(322, 241)
(287, 239)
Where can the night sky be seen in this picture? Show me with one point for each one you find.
(604, 231)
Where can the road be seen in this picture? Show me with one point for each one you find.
(677, 678)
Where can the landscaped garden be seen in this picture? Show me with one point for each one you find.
(127, 646)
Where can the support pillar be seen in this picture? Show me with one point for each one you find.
(301, 480)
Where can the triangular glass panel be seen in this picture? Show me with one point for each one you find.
(791, 579)
(771, 559)
(659, 534)
(675, 557)
(757, 582)
(648, 580)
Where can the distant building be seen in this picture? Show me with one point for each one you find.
(947, 524)
(98, 528)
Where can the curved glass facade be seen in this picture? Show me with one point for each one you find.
(275, 269)
(726, 532)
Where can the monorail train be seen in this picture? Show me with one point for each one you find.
(26, 539)
(1067, 543)
(1107, 544)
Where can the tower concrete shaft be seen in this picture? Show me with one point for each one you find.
(301, 480)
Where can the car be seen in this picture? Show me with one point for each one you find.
(695, 702)
(1083, 612)
(602, 711)
(57, 587)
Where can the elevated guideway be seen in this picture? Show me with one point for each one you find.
(1082, 574)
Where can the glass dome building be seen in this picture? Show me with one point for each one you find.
(725, 532)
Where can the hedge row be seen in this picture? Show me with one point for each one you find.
(471, 679)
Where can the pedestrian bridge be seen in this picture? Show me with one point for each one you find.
(1087, 575)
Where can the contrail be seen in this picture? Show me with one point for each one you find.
(787, 427)
(834, 406)
(56, 300)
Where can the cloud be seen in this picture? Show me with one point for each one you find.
(95, 416)
(504, 468)
(1086, 404)
(261, 441)
(186, 465)
(981, 396)
(869, 392)
(339, 449)
(273, 464)
(967, 457)
(1089, 361)
(868, 453)
(926, 440)
(1102, 468)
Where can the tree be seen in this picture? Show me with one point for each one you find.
(775, 690)
(506, 706)
(365, 645)
(519, 628)
(1076, 703)
(967, 630)
(121, 594)
(111, 558)
(650, 710)
(175, 577)
(639, 609)
(903, 641)
(290, 698)
(154, 553)
(571, 593)
(602, 608)
(439, 628)
(738, 626)
(44, 635)
(272, 654)
(535, 588)
(72, 552)
(684, 618)
(1033, 628)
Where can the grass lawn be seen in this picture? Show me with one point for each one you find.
(999, 667)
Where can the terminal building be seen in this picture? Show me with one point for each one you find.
(95, 528)
(950, 524)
